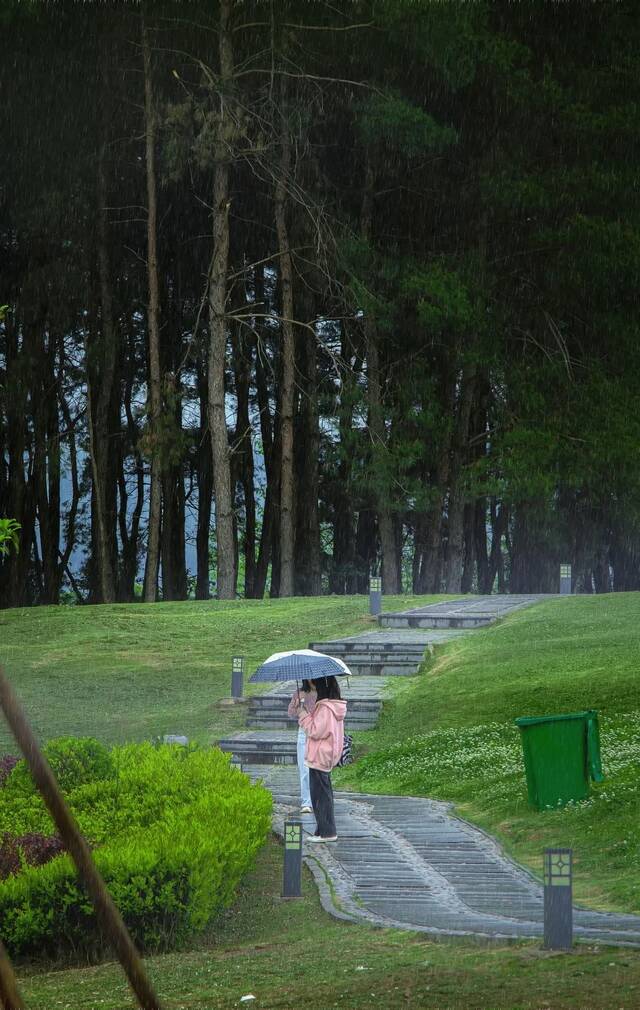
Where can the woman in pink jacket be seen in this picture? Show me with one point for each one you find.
(325, 739)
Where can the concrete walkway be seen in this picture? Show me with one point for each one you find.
(412, 864)
(409, 862)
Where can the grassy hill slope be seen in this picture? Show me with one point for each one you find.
(450, 735)
(128, 672)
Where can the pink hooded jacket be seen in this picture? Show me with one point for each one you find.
(325, 734)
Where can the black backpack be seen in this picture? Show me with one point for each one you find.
(346, 758)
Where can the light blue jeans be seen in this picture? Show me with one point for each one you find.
(305, 793)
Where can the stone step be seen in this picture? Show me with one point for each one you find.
(371, 647)
(399, 658)
(269, 711)
(418, 620)
(273, 720)
(269, 747)
(280, 703)
(366, 668)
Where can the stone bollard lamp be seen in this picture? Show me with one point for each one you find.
(565, 580)
(558, 899)
(237, 676)
(375, 595)
(292, 873)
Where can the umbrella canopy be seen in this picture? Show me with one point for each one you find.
(300, 664)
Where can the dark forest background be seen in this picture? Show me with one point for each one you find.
(309, 290)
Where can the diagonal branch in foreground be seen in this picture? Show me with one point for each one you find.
(106, 912)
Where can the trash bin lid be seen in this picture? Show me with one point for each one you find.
(534, 720)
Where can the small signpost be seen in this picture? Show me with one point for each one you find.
(375, 595)
(565, 580)
(558, 899)
(237, 676)
(292, 875)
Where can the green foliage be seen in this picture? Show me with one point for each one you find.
(9, 535)
(442, 299)
(442, 36)
(173, 828)
(391, 121)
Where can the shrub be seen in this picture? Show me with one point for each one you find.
(73, 760)
(32, 849)
(7, 764)
(175, 829)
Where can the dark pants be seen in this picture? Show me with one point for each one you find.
(322, 802)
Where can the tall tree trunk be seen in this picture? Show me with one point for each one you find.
(308, 573)
(20, 498)
(243, 343)
(287, 393)
(174, 581)
(485, 583)
(431, 567)
(344, 575)
(276, 556)
(377, 431)
(499, 526)
(205, 489)
(72, 508)
(225, 538)
(469, 564)
(46, 453)
(130, 532)
(456, 500)
(378, 436)
(270, 434)
(418, 550)
(366, 548)
(534, 568)
(154, 398)
(174, 570)
(601, 569)
(101, 359)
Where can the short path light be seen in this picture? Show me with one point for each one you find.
(237, 676)
(565, 580)
(558, 899)
(375, 595)
(292, 875)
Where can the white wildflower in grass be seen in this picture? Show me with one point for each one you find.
(485, 761)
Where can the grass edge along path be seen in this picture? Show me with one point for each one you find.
(291, 954)
(449, 734)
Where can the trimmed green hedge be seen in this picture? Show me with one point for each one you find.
(174, 830)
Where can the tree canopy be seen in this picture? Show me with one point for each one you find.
(292, 293)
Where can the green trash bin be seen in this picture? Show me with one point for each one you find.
(561, 757)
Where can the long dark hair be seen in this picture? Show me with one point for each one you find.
(327, 688)
(307, 686)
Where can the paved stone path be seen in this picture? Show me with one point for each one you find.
(470, 612)
(409, 862)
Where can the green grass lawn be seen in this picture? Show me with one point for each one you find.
(292, 955)
(450, 735)
(128, 672)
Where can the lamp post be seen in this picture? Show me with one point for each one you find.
(565, 580)
(375, 595)
(292, 872)
(237, 676)
(558, 899)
